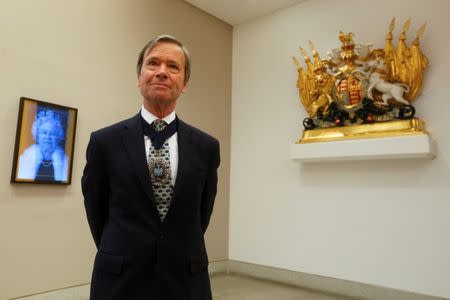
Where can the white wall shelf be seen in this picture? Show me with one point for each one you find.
(412, 146)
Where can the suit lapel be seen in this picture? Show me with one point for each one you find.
(133, 139)
(184, 150)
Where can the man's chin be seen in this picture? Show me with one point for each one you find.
(161, 101)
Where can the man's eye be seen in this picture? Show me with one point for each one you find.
(152, 63)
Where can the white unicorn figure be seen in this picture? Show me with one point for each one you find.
(389, 90)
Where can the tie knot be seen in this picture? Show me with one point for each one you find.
(159, 125)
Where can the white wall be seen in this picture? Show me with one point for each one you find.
(385, 222)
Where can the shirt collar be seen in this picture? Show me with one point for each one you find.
(149, 117)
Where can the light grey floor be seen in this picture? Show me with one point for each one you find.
(225, 287)
(234, 287)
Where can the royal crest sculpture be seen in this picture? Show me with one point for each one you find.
(358, 92)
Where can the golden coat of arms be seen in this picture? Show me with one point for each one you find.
(358, 92)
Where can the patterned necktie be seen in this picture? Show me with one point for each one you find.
(160, 173)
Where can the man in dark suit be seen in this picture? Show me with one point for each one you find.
(149, 187)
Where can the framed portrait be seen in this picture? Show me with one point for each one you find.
(45, 139)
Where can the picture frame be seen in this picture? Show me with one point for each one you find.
(45, 142)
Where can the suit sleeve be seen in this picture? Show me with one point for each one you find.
(95, 190)
(210, 188)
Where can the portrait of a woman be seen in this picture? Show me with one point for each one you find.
(45, 160)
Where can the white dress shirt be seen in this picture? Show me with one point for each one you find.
(173, 141)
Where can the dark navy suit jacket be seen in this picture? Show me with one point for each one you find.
(139, 257)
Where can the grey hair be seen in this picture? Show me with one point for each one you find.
(170, 39)
(47, 116)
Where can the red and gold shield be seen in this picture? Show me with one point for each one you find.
(350, 91)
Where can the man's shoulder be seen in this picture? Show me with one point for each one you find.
(114, 129)
(207, 145)
(198, 133)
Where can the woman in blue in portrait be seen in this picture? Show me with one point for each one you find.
(45, 160)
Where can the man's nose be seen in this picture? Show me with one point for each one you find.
(162, 72)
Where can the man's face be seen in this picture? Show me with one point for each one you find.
(161, 79)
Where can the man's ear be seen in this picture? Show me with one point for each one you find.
(139, 78)
(184, 89)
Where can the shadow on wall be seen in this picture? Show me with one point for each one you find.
(403, 173)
